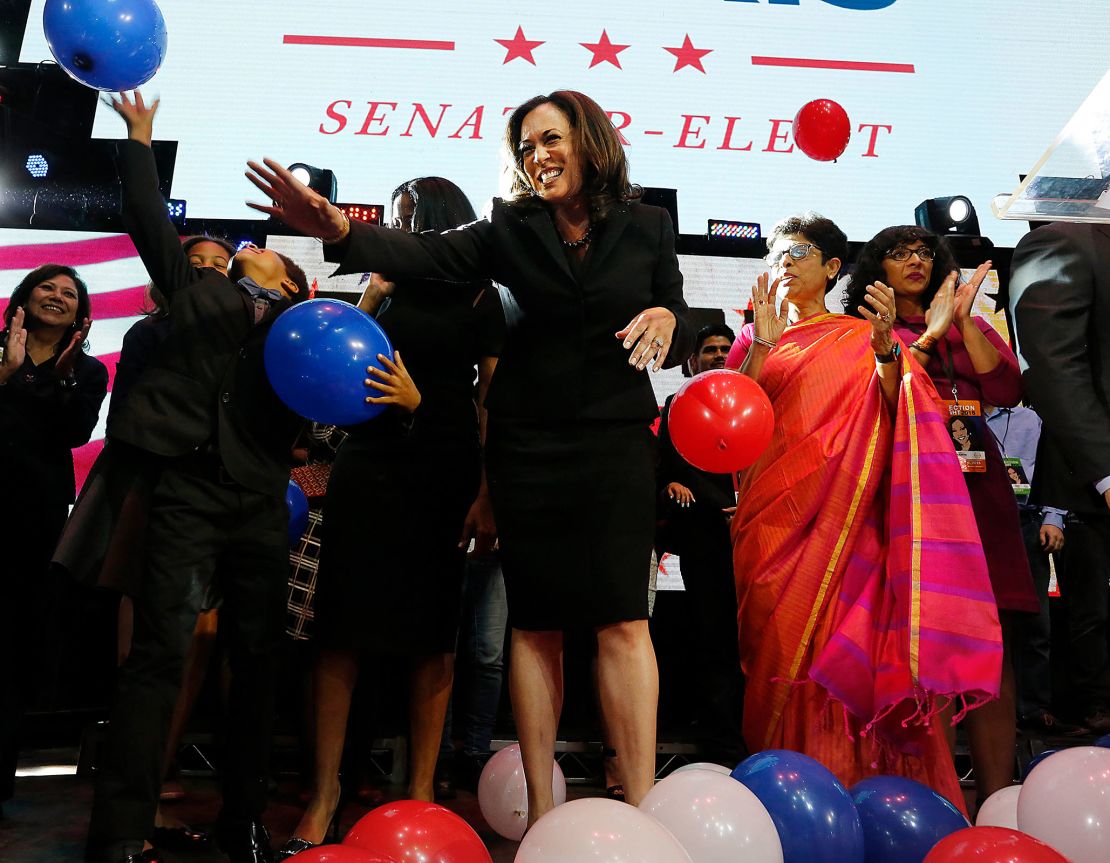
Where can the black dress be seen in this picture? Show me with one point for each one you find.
(391, 570)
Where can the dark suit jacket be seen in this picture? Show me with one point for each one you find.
(206, 385)
(561, 359)
(1060, 304)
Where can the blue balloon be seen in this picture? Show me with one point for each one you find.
(1103, 741)
(1036, 759)
(297, 503)
(316, 356)
(109, 45)
(903, 819)
(813, 813)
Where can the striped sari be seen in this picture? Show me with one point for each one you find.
(864, 602)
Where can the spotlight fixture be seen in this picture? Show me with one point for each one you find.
(734, 230)
(320, 180)
(370, 213)
(37, 166)
(954, 215)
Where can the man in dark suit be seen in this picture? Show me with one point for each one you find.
(696, 506)
(1060, 304)
(204, 415)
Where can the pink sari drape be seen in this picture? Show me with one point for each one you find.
(864, 601)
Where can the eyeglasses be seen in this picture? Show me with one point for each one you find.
(797, 251)
(903, 254)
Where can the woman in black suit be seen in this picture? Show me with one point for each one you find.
(570, 458)
(50, 397)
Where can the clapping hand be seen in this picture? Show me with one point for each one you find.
(395, 384)
(66, 359)
(770, 323)
(15, 350)
(966, 293)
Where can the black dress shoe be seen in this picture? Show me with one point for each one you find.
(293, 845)
(1049, 726)
(244, 841)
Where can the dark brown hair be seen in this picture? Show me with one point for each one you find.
(36, 277)
(604, 163)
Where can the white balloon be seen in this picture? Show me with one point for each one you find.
(1000, 809)
(703, 765)
(503, 792)
(1066, 803)
(716, 818)
(598, 830)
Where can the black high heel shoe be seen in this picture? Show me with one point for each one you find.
(296, 844)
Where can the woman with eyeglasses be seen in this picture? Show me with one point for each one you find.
(971, 364)
(850, 635)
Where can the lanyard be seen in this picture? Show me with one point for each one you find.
(949, 367)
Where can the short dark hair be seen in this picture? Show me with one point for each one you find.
(188, 243)
(869, 263)
(438, 204)
(36, 277)
(605, 164)
(830, 241)
(297, 275)
(709, 331)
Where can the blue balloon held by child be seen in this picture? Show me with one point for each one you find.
(110, 45)
(813, 813)
(316, 356)
(298, 512)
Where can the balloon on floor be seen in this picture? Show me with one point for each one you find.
(992, 845)
(703, 765)
(109, 45)
(317, 354)
(412, 831)
(902, 819)
(297, 504)
(714, 817)
(813, 813)
(1065, 802)
(340, 854)
(503, 792)
(598, 830)
(720, 421)
(1000, 809)
(1034, 761)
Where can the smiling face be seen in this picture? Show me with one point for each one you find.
(800, 279)
(53, 303)
(549, 157)
(909, 279)
(960, 434)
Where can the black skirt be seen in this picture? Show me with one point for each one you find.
(390, 573)
(575, 510)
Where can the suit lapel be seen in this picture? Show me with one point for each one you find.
(612, 229)
(540, 222)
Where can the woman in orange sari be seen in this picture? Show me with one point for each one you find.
(864, 603)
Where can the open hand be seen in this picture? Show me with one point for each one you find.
(648, 335)
(294, 203)
(395, 384)
(770, 320)
(138, 117)
(677, 492)
(68, 356)
(938, 317)
(966, 293)
(15, 350)
(881, 314)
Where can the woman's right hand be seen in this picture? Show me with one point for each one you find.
(677, 492)
(938, 317)
(295, 204)
(138, 117)
(15, 350)
(769, 324)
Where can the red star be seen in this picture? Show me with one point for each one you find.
(604, 51)
(518, 46)
(688, 55)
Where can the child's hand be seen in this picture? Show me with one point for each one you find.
(138, 117)
(395, 384)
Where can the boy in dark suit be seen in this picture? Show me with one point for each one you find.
(205, 420)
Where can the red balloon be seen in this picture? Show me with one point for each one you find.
(822, 129)
(720, 421)
(992, 845)
(412, 831)
(340, 854)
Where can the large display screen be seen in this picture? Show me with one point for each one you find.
(945, 97)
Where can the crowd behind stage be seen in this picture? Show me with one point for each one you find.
(883, 570)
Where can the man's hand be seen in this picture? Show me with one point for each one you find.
(1052, 538)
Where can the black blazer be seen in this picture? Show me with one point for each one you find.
(206, 384)
(561, 360)
(1060, 304)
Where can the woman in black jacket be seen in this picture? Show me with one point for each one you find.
(50, 397)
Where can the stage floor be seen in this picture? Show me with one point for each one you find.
(47, 819)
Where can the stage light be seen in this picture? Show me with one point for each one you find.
(37, 166)
(369, 213)
(734, 230)
(320, 180)
(954, 215)
(176, 209)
